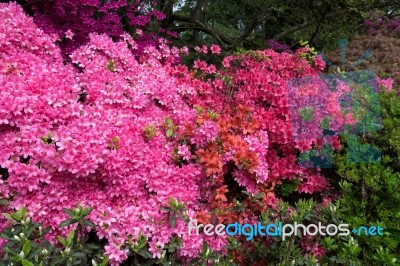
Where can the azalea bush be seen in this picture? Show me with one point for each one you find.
(382, 25)
(73, 21)
(150, 144)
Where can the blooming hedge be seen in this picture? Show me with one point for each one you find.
(73, 21)
(145, 141)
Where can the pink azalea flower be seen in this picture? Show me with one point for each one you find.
(200, 64)
(197, 49)
(183, 150)
(115, 253)
(69, 34)
(215, 49)
(185, 50)
(387, 83)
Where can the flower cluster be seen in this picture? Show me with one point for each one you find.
(72, 21)
(76, 133)
(206, 133)
(278, 46)
(135, 138)
(382, 25)
(386, 83)
(259, 80)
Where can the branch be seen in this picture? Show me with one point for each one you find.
(302, 26)
(291, 30)
(319, 23)
(194, 24)
(224, 41)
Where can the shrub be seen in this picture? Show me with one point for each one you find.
(150, 144)
(73, 21)
(369, 194)
(26, 244)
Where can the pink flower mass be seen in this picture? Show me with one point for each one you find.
(93, 153)
(104, 128)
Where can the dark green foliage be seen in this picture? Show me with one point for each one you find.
(27, 246)
(250, 23)
(370, 193)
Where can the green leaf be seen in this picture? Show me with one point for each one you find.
(10, 250)
(70, 237)
(172, 220)
(111, 65)
(307, 113)
(91, 246)
(26, 248)
(58, 261)
(89, 223)
(150, 131)
(27, 263)
(170, 132)
(169, 122)
(87, 211)
(80, 255)
(145, 254)
(324, 123)
(67, 222)
(16, 217)
(69, 212)
(46, 230)
(104, 262)
(8, 216)
(61, 240)
(183, 218)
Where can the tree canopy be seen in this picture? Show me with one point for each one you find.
(250, 23)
